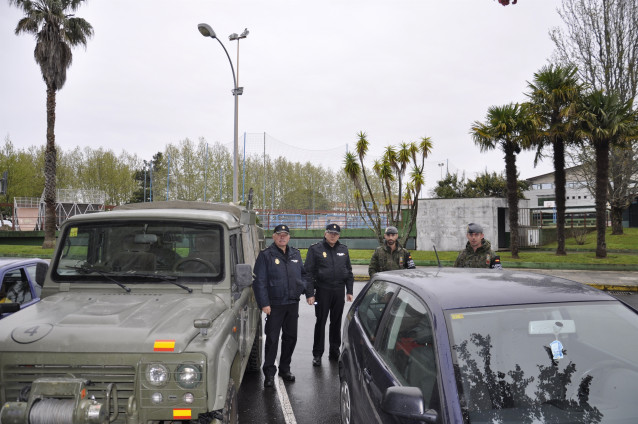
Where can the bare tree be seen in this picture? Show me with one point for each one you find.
(601, 39)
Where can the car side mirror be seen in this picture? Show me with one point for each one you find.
(40, 273)
(243, 276)
(407, 402)
(9, 308)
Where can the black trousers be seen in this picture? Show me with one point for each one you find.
(282, 318)
(330, 303)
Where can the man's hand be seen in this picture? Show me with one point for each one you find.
(349, 297)
(311, 301)
(266, 310)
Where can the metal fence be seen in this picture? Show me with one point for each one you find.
(309, 220)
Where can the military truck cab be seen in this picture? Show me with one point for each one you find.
(147, 316)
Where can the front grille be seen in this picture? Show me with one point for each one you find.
(15, 377)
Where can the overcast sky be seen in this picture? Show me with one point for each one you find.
(314, 75)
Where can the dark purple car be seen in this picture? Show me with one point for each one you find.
(487, 346)
(20, 283)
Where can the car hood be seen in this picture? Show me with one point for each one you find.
(109, 323)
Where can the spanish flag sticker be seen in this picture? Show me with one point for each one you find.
(181, 414)
(164, 346)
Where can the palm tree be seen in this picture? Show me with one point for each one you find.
(56, 30)
(605, 121)
(507, 127)
(554, 96)
(390, 170)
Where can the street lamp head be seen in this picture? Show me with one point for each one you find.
(206, 30)
(234, 36)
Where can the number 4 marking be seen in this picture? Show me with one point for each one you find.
(31, 331)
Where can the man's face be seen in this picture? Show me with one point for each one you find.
(281, 240)
(391, 239)
(332, 237)
(475, 239)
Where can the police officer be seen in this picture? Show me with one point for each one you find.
(478, 251)
(330, 272)
(390, 255)
(279, 280)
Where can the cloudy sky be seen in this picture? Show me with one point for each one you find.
(314, 75)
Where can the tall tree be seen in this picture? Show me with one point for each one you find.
(605, 121)
(600, 37)
(56, 30)
(508, 128)
(554, 94)
(391, 171)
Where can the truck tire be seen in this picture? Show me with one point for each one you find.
(254, 360)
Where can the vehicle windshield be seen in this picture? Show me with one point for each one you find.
(149, 251)
(552, 363)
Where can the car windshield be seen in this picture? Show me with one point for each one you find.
(558, 363)
(140, 252)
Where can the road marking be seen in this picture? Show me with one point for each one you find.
(282, 394)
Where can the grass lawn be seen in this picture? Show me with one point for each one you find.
(626, 241)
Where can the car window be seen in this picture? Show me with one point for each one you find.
(98, 251)
(407, 346)
(559, 363)
(15, 287)
(373, 305)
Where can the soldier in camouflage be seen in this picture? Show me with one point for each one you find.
(478, 251)
(391, 255)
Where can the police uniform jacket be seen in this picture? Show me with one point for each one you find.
(482, 258)
(383, 259)
(280, 277)
(328, 267)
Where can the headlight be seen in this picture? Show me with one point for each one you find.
(157, 374)
(188, 376)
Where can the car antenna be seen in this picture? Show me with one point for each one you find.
(437, 255)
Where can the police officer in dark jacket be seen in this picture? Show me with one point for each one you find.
(330, 272)
(280, 279)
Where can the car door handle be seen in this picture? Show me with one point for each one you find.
(366, 375)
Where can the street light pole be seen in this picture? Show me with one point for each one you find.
(207, 31)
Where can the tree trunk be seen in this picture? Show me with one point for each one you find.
(602, 176)
(559, 192)
(512, 199)
(49, 172)
(616, 221)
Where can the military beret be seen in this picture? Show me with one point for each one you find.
(474, 228)
(391, 230)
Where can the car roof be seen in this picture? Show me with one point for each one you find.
(457, 288)
(8, 262)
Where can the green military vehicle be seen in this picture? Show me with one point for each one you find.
(147, 316)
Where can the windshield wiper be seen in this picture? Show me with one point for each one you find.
(166, 278)
(90, 270)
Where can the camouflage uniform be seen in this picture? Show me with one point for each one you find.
(482, 258)
(385, 260)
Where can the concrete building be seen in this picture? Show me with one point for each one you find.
(541, 192)
(443, 222)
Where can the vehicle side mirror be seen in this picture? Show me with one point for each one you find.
(407, 402)
(9, 308)
(40, 273)
(243, 276)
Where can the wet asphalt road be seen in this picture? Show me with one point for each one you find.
(314, 396)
